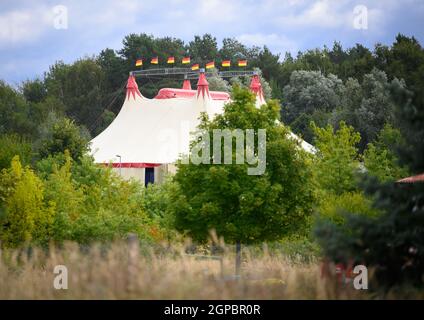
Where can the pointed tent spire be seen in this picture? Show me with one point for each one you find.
(202, 85)
(256, 87)
(132, 87)
(186, 83)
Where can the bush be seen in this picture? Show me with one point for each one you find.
(13, 145)
(334, 207)
(25, 215)
(93, 203)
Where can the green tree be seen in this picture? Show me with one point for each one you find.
(393, 243)
(12, 145)
(337, 158)
(203, 49)
(380, 158)
(25, 216)
(81, 88)
(63, 135)
(14, 112)
(240, 207)
(310, 96)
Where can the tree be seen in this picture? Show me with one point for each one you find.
(14, 112)
(377, 106)
(80, 87)
(337, 158)
(25, 216)
(63, 135)
(216, 83)
(12, 145)
(393, 243)
(310, 96)
(203, 49)
(240, 207)
(380, 158)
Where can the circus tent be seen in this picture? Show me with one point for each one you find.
(153, 133)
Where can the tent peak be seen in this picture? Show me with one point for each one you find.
(256, 87)
(132, 87)
(186, 84)
(202, 85)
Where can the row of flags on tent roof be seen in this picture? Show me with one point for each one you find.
(186, 60)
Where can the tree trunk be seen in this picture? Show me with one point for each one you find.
(238, 259)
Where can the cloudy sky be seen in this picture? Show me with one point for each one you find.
(35, 33)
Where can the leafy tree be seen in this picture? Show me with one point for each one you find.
(333, 207)
(14, 112)
(34, 91)
(216, 83)
(310, 96)
(377, 106)
(25, 216)
(64, 135)
(240, 207)
(80, 87)
(203, 49)
(337, 158)
(380, 158)
(233, 49)
(393, 243)
(12, 145)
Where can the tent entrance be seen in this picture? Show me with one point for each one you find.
(149, 176)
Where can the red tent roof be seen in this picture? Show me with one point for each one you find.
(413, 179)
(169, 93)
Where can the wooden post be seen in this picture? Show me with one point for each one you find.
(238, 259)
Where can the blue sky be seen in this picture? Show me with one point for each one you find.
(29, 41)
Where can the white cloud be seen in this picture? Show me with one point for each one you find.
(24, 25)
(277, 43)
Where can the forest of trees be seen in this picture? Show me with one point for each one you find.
(363, 109)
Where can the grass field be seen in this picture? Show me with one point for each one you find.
(124, 270)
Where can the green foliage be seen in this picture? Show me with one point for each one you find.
(13, 145)
(242, 207)
(393, 243)
(93, 204)
(64, 135)
(337, 158)
(334, 207)
(25, 215)
(14, 112)
(80, 88)
(380, 158)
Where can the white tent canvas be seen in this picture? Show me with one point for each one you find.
(149, 132)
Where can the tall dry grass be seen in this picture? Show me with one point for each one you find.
(127, 270)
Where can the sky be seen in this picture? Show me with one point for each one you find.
(36, 33)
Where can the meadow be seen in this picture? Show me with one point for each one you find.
(135, 270)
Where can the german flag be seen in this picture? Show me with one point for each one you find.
(186, 60)
(171, 60)
(154, 60)
(138, 63)
(242, 63)
(210, 65)
(195, 67)
(226, 63)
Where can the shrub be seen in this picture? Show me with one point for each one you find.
(25, 215)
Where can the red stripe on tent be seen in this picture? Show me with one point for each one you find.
(413, 179)
(132, 165)
(169, 93)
